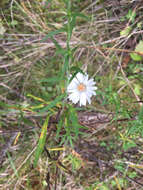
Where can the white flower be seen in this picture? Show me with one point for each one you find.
(81, 89)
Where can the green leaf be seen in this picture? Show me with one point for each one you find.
(141, 114)
(53, 103)
(14, 23)
(65, 66)
(12, 164)
(120, 167)
(59, 50)
(125, 31)
(74, 119)
(103, 187)
(59, 126)
(135, 57)
(81, 15)
(139, 48)
(129, 144)
(77, 70)
(132, 174)
(51, 80)
(137, 89)
(103, 144)
(36, 98)
(52, 33)
(27, 121)
(139, 25)
(42, 140)
(4, 105)
(72, 24)
(131, 15)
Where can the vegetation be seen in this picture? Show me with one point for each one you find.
(46, 141)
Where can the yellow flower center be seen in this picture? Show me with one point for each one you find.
(81, 87)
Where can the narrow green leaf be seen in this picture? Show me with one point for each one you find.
(53, 103)
(128, 145)
(81, 15)
(52, 80)
(36, 98)
(66, 65)
(52, 33)
(2, 104)
(42, 140)
(59, 50)
(137, 89)
(59, 126)
(58, 46)
(74, 119)
(141, 114)
(12, 164)
(77, 70)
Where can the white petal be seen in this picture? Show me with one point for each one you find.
(91, 83)
(88, 99)
(91, 88)
(80, 77)
(71, 86)
(95, 87)
(75, 80)
(83, 99)
(89, 94)
(74, 97)
(91, 80)
(85, 78)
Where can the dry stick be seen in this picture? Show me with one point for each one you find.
(30, 128)
(116, 49)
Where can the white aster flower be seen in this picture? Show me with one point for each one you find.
(81, 89)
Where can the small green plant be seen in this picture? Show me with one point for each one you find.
(139, 49)
(136, 127)
(130, 17)
(68, 117)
